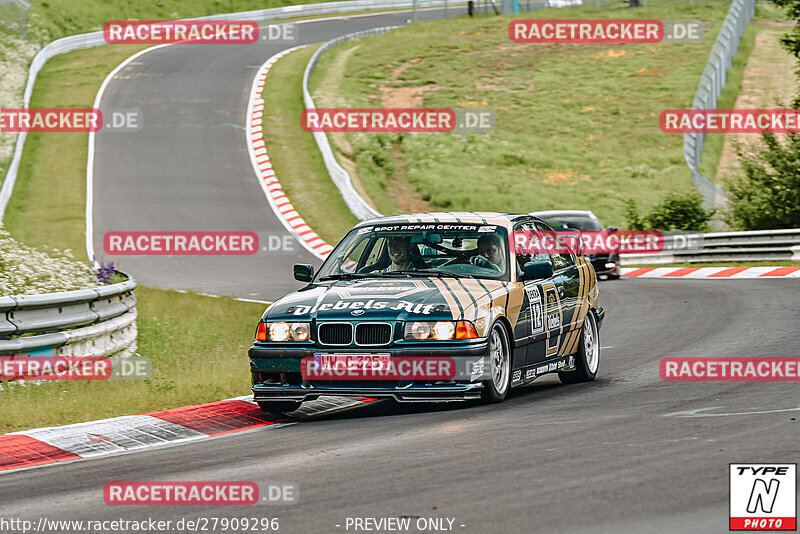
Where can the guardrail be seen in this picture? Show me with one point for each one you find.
(711, 83)
(88, 322)
(357, 204)
(758, 245)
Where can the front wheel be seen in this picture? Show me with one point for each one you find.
(588, 359)
(498, 354)
(279, 406)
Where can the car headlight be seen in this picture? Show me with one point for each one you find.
(282, 331)
(439, 330)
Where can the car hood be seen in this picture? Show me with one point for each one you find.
(369, 299)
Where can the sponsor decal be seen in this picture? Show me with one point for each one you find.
(478, 369)
(535, 304)
(180, 31)
(517, 375)
(571, 361)
(553, 311)
(360, 366)
(763, 497)
(50, 120)
(730, 120)
(530, 373)
(387, 290)
(169, 493)
(730, 369)
(542, 369)
(371, 304)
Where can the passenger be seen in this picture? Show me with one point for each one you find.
(490, 253)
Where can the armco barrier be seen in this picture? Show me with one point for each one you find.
(88, 322)
(758, 245)
(89, 40)
(711, 83)
(357, 204)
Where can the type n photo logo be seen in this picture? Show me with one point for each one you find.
(763, 497)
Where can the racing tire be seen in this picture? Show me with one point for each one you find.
(279, 406)
(498, 357)
(587, 360)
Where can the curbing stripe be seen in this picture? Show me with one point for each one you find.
(262, 166)
(711, 272)
(44, 446)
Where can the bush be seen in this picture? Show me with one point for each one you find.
(27, 271)
(678, 211)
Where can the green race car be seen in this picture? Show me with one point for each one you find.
(430, 307)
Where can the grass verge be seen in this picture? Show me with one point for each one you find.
(198, 344)
(577, 125)
(294, 153)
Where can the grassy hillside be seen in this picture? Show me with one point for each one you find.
(577, 124)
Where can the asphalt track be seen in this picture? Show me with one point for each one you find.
(188, 168)
(597, 457)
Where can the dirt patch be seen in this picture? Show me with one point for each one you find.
(400, 191)
(767, 76)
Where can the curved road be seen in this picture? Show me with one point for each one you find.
(597, 457)
(188, 168)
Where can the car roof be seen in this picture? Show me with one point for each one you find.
(569, 213)
(469, 217)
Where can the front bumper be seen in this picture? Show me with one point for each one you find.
(599, 262)
(276, 375)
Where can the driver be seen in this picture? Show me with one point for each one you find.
(400, 254)
(490, 253)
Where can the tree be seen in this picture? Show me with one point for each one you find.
(766, 194)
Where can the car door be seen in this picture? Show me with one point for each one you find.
(534, 307)
(560, 299)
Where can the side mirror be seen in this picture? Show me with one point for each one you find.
(537, 270)
(612, 228)
(303, 272)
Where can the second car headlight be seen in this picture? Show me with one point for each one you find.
(282, 331)
(439, 330)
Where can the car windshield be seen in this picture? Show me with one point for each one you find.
(407, 249)
(575, 222)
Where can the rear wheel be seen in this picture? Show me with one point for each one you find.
(279, 406)
(498, 356)
(587, 360)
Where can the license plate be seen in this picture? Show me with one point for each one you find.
(353, 361)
